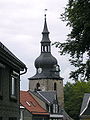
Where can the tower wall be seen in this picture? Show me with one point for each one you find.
(48, 85)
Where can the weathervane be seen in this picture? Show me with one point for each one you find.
(45, 12)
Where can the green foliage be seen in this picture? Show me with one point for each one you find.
(77, 45)
(74, 93)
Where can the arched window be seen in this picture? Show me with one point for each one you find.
(42, 48)
(38, 86)
(45, 48)
(55, 86)
(48, 48)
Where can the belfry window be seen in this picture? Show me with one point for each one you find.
(38, 86)
(45, 48)
(48, 48)
(55, 86)
(41, 48)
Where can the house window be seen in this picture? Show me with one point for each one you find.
(13, 85)
(12, 118)
(0, 118)
(0, 82)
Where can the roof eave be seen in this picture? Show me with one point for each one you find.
(9, 58)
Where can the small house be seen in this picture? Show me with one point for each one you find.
(10, 70)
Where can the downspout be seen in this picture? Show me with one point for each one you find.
(25, 70)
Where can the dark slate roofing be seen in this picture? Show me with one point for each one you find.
(87, 111)
(66, 116)
(85, 103)
(48, 97)
(7, 56)
(45, 33)
(43, 75)
(45, 60)
(45, 29)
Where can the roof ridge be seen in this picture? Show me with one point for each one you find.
(85, 106)
(44, 97)
(37, 102)
(28, 92)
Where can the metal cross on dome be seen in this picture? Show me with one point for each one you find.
(45, 12)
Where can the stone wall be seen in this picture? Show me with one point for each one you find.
(8, 107)
(48, 85)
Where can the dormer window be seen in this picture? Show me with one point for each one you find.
(55, 108)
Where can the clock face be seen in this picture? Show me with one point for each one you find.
(39, 70)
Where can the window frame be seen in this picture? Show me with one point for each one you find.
(12, 118)
(13, 86)
(1, 87)
(55, 108)
(0, 118)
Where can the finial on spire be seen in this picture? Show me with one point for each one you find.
(45, 30)
(45, 13)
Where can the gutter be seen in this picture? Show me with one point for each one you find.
(25, 70)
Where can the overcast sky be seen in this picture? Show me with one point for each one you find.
(21, 24)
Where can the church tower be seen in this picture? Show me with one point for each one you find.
(47, 77)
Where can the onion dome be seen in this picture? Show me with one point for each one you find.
(45, 60)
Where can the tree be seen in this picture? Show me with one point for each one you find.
(77, 45)
(74, 93)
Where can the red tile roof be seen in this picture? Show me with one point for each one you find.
(28, 101)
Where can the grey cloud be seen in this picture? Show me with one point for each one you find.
(21, 24)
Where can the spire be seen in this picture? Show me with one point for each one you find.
(45, 30)
(45, 37)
